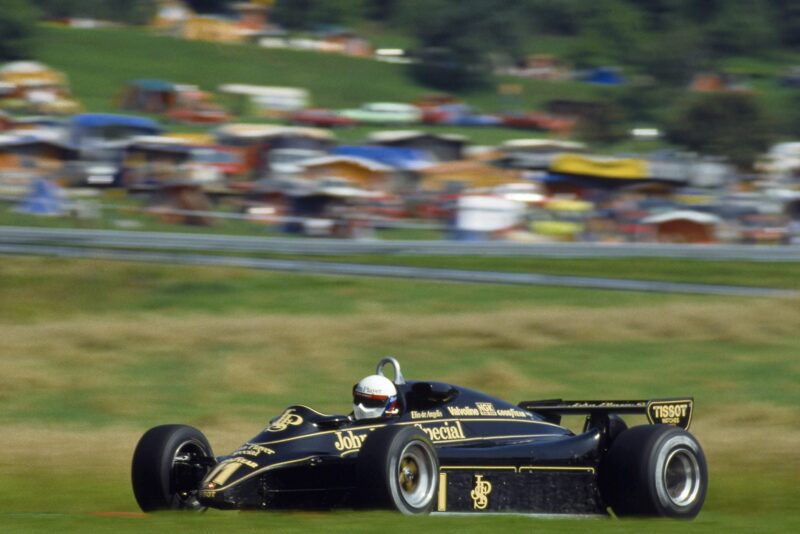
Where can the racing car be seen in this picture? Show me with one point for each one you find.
(430, 447)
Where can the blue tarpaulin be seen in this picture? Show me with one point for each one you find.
(406, 159)
(605, 76)
(45, 198)
(109, 127)
(103, 120)
(154, 85)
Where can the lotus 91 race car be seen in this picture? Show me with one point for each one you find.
(438, 448)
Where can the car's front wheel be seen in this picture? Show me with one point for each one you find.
(399, 468)
(169, 463)
(655, 470)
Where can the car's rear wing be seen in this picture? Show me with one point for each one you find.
(674, 411)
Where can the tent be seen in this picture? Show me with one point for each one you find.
(150, 96)
(404, 159)
(599, 167)
(605, 76)
(482, 216)
(45, 198)
(684, 226)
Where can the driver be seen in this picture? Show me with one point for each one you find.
(373, 397)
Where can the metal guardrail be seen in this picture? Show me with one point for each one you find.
(416, 273)
(150, 246)
(329, 247)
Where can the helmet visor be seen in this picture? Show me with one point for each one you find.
(370, 401)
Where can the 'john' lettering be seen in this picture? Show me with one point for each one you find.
(347, 441)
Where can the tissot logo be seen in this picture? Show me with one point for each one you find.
(480, 494)
(670, 412)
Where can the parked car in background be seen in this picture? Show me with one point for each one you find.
(183, 103)
(544, 122)
(320, 118)
(384, 113)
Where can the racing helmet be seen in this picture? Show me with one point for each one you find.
(374, 396)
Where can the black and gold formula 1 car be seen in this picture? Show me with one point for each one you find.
(447, 450)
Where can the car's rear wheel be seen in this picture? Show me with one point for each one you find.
(655, 470)
(399, 468)
(169, 463)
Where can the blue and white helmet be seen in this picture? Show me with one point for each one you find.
(373, 397)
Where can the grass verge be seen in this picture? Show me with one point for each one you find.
(95, 353)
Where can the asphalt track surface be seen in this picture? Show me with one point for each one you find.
(105, 252)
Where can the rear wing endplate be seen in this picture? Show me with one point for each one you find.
(673, 411)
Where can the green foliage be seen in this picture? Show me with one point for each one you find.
(557, 17)
(616, 27)
(17, 29)
(451, 69)
(728, 124)
(740, 28)
(313, 14)
(456, 43)
(786, 14)
(210, 6)
(671, 57)
(790, 120)
(642, 100)
(604, 125)
(122, 11)
(381, 10)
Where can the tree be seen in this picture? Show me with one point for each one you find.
(727, 124)
(555, 17)
(603, 125)
(210, 6)
(457, 39)
(786, 19)
(671, 57)
(308, 14)
(123, 11)
(381, 10)
(644, 100)
(17, 29)
(742, 27)
(450, 69)
(615, 26)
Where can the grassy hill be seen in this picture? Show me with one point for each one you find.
(99, 63)
(99, 351)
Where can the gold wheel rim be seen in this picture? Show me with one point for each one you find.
(408, 474)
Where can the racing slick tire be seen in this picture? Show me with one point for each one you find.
(655, 470)
(398, 468)
(169, 463)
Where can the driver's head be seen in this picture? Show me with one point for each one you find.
(374, 396)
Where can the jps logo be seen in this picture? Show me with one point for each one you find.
(480, 494)
(287, 418)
